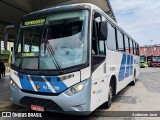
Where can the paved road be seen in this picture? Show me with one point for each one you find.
(4, 93)
(144, 96)
(5, 104)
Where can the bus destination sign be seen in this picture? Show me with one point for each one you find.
(33, 22)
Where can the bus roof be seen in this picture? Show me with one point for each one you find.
(67, 7)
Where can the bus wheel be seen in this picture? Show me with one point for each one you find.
(134, 79)
(110, 96)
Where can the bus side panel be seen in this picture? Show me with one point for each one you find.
(113, 66)
(85, 73)
(120, 65)
(99, 86)
(136, 62)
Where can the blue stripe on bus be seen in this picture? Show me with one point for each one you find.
(42, 83)
(55, 82)
(58, 84)
(122, 68)
(127, 66)
(131, 66)
(25, 83)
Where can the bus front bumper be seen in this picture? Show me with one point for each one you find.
(155, 64)
(75, 104)
(143, 65)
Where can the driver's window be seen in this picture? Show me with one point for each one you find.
(99, 36)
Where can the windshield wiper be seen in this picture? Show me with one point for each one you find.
(53, 55)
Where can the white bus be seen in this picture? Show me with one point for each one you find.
(71, 58)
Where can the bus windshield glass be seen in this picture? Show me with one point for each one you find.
(57, 41)
(142, 59)
(156, 59)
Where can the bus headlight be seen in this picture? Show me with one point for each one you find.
(76, 88)
(12, 83)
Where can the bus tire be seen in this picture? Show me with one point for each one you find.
(134, 79)
(111, 93)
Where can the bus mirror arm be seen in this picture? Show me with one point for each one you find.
(6, 34)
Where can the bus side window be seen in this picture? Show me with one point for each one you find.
(102, 36)
(111, 38)
(127, 45)
(95, 38)
(134, 50)
(99, 36)
(131, 46)
(137, 49)
(120, 41)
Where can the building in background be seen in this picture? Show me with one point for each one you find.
(9, 46)
(150, 50)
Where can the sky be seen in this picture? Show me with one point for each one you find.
(139, 18)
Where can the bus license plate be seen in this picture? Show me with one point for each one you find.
(37, 108)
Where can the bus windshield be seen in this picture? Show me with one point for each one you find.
(156, 59)
(142, 59)
(57, 41)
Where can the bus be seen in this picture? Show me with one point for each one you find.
(154, 61)
(71, 59)
(143, 61)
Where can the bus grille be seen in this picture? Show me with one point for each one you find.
(40, 93)
(47, 104)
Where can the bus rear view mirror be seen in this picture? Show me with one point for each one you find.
(6, 34)
(103, 29)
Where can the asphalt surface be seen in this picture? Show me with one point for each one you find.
(144, 96)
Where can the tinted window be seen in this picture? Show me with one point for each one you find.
(133, 47)
(111, 40)
(120, 41)
(103, 29)
(137, 49)
(126, 44)
(103, 36)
